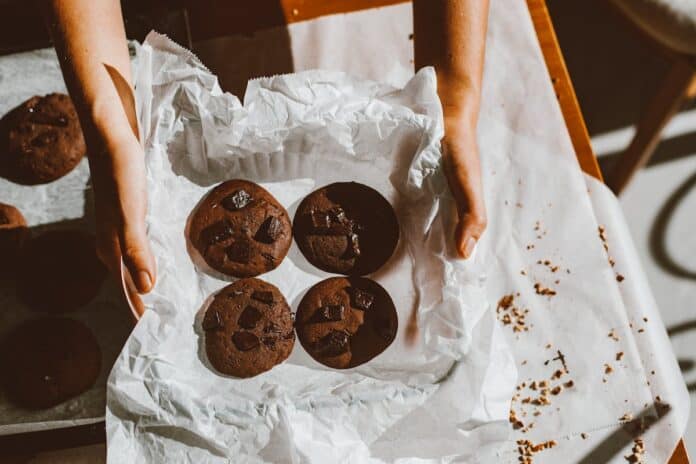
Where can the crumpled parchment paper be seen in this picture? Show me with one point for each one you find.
(293, 134)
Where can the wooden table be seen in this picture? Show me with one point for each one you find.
(263, 14)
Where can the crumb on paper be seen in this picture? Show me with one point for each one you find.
(544, 291)
(523, 272)
(645, 319)
(569, 384)
(509, 314)
(619, 355)
(613, 336)
(527, 449)
(608, 369)
(637, 452)
(619, 278)
(628, 417)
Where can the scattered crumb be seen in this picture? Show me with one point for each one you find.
(628, 417)
(541, 290)
(526, 449)
(569, 384)
(641, 330)
(523, 272)
(613, 336)
(548, 345)
(509, 314)
(410, 36)
(608, 369)
(619, 278)
(645, 319)
(619, 355)
(637, 451)
(584, 436)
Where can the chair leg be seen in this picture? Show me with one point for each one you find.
(672, 93)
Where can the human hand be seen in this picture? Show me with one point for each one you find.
(118, 178)
(463, 171)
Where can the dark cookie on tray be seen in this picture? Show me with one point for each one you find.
(346, 228)
(13, 234)
(59, 271)
(49, 360)
(343, 322)
(240, 229)
(40, 140)
(248, 328)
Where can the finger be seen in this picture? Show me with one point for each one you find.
(469, 230)
(109, 251)
(131, 204)
(137, 256)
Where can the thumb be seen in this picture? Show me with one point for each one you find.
(137, 256)
(469, 229)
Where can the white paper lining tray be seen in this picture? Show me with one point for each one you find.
(294, 134)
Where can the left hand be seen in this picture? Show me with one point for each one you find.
(463, 171)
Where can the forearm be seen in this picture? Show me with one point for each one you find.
(451, 35)
(89, 34)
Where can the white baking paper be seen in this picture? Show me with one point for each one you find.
(293, 134)
(530, 174)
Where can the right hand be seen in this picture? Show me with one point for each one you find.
(118, 178)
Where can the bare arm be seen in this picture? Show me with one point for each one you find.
(89, 34)
(451, 35)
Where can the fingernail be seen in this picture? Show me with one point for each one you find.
(144, 282)
(469, 246)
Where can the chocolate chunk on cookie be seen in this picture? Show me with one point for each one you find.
(40, 140)
(13, 234)
(244, 336)
(343, 322)
(346, 228)
(49, 360)
(59, 271)
(240, 229)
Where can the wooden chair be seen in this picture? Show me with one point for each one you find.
(671, 26)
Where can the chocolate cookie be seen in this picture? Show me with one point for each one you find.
(49, 360)
(13, 234)
(40, 140)
(346, 228)
(59, 271)
(240, 229)
(343, 322)
(248, 328)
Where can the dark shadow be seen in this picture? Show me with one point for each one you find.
(614, 70)
(658, 239)
(614, 443)
(670, 149)
(259, 47)
(686, 365)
